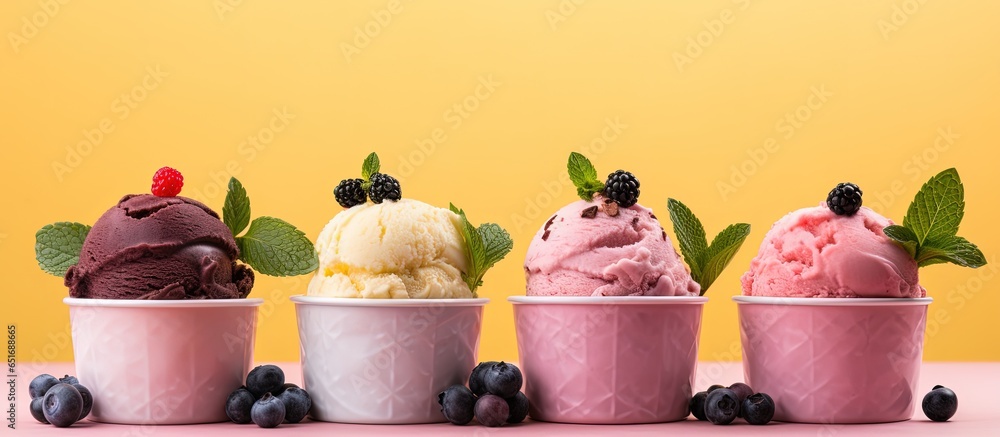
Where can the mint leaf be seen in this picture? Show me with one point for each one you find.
(484, 247)
(276, 248)
(584, 176)
(956, 250)
(721, 252)
(707, 261)
(370, 167)
(690, 235)
(904, 237)
(236, 210)
(57, 246)
(937, 209)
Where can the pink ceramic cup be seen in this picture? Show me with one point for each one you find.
(384, 361)
(162, 362)
(608, 360)
(834, 360)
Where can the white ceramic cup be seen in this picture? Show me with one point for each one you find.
(384, 361)
(162, 362)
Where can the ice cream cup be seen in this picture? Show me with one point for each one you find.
(384, 361)
(834, 360)
(608, 360)
(162, 362)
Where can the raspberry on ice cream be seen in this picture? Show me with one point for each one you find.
(149, 247)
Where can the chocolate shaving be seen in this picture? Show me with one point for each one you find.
(611, 208)
(664, 235)
(545, 236)
(549, 223)
(589, 212)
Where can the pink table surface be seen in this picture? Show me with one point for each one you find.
(975, 383)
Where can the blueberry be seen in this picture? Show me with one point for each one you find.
(41, 384)
(268, 412)
(758, 409)
(62, 405)
(36, 410)
(721, 406)
(476, 382)
(714, 387)
(287, 386)
(518, 406)
(940, 404)
(265, 379)
(697, 405)
(297, 404)
(742, 391)
(69, 380)
(238, 405)
(492, 410)
(88, 400)
(458, 404)
(503, 380)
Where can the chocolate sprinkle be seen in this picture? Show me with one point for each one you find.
(549, 223)
(664, 235)
(545, 236)
(589, 212)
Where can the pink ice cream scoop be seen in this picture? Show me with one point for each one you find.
(625, 255)
(813, 252)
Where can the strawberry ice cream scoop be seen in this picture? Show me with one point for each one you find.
(599, 255)
(813, 252)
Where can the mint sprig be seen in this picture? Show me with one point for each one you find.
(707, 261)
(270, 246)
(584, 176)
(485, 246)
(236, 209)
(57, 246)
(930, 227)
(371, 166)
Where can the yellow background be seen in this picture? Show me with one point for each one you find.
(895, 74)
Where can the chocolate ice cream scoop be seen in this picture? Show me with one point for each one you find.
(149, 247)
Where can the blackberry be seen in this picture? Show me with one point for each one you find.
(623, 188)
(349, 192)
(384, 187)
(845, 199)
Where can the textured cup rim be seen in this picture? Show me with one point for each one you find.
(170, 303)
(833, 301)
(387, 303)
(607, 300)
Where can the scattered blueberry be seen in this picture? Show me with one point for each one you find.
(69, 380)
(476, 382)
(297, 404)
(238, 405)
(518, 406)
(88, 400)
(714, 387)
(287, 386)
(41, 384)
(697, 405)
(62, 405)
(940, 404)
(742, 391)
(268, 412)
(265, 379)
(503, 379)
(36, 410)
(758, 409)
(458, 404)
(492, 410)
(721, 406)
